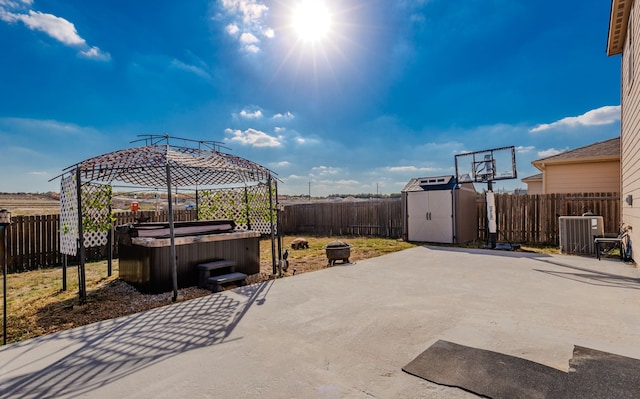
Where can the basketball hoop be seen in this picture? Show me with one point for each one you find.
(486, 167)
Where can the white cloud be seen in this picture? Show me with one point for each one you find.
(249, 43)
(232, 29)
(550, 152)
(56, 27)
(286, 115)
(15, 4)
(254, 138)
(190, 68)
(325, 170)
(248, 38)
(96, 53)
(7, 3)
(403, 169)
(296, 177)
(46, 125)
(523, 150)
(248, 17)
(279, 129)
(348, 182)
(248, 10)
(342, 182)
(600, 116)
(247, 114)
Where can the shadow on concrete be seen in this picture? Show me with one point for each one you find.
(591, 277)
(102, 353)
(488, 251)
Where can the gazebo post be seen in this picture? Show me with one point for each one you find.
(273, 246)
(278, 229)
(110, 246)
(5, 221)
(82, 288)
(172, 249)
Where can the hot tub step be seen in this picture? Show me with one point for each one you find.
(216, 264)
(208, 269)
(215, 283)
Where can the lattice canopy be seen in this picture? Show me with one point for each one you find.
(147, 166)
(161, 164)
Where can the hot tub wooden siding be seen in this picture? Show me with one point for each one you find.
(146, 262)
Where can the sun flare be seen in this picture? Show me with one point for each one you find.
(312, 20)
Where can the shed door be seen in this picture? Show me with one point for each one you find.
(430, 216)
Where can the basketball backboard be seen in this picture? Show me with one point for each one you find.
(487, 165)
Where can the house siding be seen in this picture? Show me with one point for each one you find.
(595, 177)
(534, 187)
(630, 125)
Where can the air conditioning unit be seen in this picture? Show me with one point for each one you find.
(578, 232)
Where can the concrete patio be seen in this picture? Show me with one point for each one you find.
(343, 332)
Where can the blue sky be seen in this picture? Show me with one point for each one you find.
(392, 91)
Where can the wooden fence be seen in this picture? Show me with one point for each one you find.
(534, 219)
(33, 241)
(379, 218)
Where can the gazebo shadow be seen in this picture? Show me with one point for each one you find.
(102, 353)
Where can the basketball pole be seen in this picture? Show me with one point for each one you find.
(491, 216)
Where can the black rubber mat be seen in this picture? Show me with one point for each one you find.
(486, 373)
(596, 374)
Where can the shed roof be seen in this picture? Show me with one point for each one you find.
(431, 183)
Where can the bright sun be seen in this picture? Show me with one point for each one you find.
(311, 20)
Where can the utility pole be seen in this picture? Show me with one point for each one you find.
(309, 189)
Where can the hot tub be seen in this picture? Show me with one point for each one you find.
(145, 260)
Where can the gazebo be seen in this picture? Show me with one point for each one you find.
(248, 191)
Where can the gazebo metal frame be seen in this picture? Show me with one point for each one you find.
(160, 162)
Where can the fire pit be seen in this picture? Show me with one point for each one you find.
(338, 250)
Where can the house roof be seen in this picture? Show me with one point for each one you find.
(601, 151)
(618, 19)
(533, 178)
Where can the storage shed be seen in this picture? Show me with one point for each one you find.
(439, 210)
